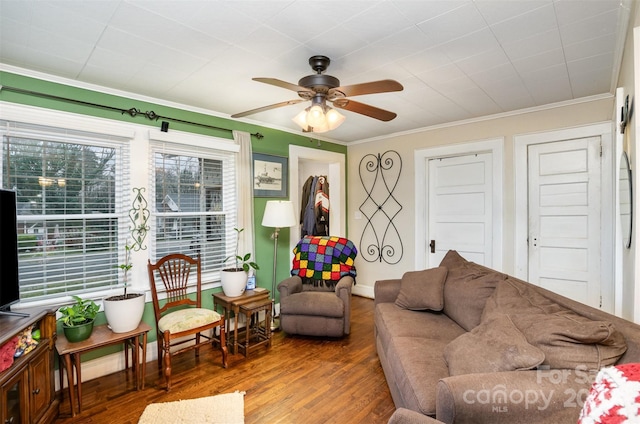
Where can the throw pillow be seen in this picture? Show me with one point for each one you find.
(567, 339)
(422, 290)
(466, 289)
(493, 346)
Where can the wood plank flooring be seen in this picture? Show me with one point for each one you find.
(299, 380)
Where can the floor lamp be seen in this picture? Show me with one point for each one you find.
(277, 214)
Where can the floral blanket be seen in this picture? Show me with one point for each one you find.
(324, 258)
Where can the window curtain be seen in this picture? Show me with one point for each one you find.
(245, 192)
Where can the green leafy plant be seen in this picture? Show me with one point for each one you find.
(242, 262)
(80, 312)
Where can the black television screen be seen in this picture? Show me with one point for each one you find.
(9, 282)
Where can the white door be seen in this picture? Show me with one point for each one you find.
(460, 208)
(564, 218)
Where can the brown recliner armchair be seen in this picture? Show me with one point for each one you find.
(315, 310)
(316, 299)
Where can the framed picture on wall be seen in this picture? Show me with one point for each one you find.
(270, 175)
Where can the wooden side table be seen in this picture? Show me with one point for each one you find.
(100, 337)
(257, 332)
(232, 304)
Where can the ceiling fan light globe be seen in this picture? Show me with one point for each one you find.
(334, 119)
(316, 116)
(320, 129)
(301, 120)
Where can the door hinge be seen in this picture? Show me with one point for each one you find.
(600, 302)
(601, 150)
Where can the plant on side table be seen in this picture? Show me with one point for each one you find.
(77, 319)
(124, 311)
(234, 279)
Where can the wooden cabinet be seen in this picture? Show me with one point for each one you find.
(13, 391)
(27, 392)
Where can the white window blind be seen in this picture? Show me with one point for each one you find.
(72, 188)
(195, 203)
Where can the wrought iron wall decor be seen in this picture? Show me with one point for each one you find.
(139, 215)
(379, 175)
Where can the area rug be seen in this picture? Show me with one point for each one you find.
(226, 408)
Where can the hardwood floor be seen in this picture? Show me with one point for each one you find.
(299, 380)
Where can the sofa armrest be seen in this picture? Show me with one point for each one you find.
(343, 291)
(344, 286)
(386, 291)
(535, 396)
(290, 286)
(407, 416)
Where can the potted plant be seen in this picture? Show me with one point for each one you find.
(234, 279)
(124, 311)
(77, 319)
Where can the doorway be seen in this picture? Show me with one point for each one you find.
(304, 161)
(452, 186)
(459, 208)
(564, 213)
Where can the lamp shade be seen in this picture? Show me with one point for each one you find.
(279, 214)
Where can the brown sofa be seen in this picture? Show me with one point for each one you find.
(465, 343)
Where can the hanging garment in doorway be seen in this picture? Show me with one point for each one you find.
(314, 210)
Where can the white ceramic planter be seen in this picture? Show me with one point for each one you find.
(234, 283)
(125, 314)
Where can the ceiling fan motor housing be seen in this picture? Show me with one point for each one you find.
(319, 83)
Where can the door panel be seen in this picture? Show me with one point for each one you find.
(460, 207)
(564, 217)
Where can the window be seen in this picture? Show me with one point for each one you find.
(195, 203)
(70, 187)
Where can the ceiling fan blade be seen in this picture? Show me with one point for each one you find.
(364, 109)
(282, 84)
(373, 87)
(263, 108)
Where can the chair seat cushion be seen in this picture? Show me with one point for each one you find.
(186, 319)
(325, 304)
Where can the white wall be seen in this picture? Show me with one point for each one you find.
(567, 115)
(629, 69)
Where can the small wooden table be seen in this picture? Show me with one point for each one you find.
(100, 337)
(257, 332)
(232, 304)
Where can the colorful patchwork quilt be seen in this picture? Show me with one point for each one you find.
(326, 258)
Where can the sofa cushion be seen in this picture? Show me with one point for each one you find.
(422, 290)
(568, 340)
(495, 345)
(466, 289)
(325, 304)
(417, 365)
(392, 321)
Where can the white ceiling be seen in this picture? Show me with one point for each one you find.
(457, 59)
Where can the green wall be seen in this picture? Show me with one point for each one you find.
(275, 142)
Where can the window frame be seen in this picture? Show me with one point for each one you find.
(37, 116)
(50, 132)
(203, 147)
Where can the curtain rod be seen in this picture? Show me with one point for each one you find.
(133, 112)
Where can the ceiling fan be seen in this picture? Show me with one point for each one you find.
(320, 88)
